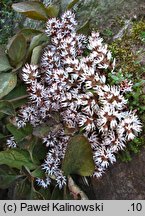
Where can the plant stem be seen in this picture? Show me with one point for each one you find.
(18, 98)
(75, 190)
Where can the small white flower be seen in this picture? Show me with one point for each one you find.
(126, 86)
(102, 157)
(30, 73)
(61, 181)
(130, 126)
(20, 122)
(108, 118)
(99, 171)
(11, 142)
(43, 182)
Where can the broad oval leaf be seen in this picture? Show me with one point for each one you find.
(33, 9)
(37, 40)
(4, 62)
(78, 157)
(17, 49)
(7, 107)
(29, 33)
(8, 82)
(17, 158)
(71, 4)
(36, 55)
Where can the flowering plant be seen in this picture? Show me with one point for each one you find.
(74, 85)
(69, 96)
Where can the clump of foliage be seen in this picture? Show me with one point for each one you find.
(59, 114)
(128, 50)
(7, 20)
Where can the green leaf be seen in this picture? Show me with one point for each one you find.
(78, 157)
(16, 95)
(1, 136)
(35, 195)
(17, 158)
(41, 130)
(36, 53)
(29, 33)
(71, 4)
(33, 9)
(4, 62)
(21, 133)
(7, 177)
(17, 48)
(57, 194)
(7, 108)
(26, 172)
(85, 29)
(37, 41)
(52, 11)
(38, 173)
(8, 82)
(22, 189)
(46, 193)
(142, 34)
(39, 151)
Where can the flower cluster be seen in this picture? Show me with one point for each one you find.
(72, 81)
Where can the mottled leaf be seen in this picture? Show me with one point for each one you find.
(71, 4)
(52, 11)
(4, 62)
(17, 158)
(33, 9)
(8, 82)
(17, 49)
(78, 158)
(7, 107)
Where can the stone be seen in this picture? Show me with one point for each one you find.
(122, 181)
